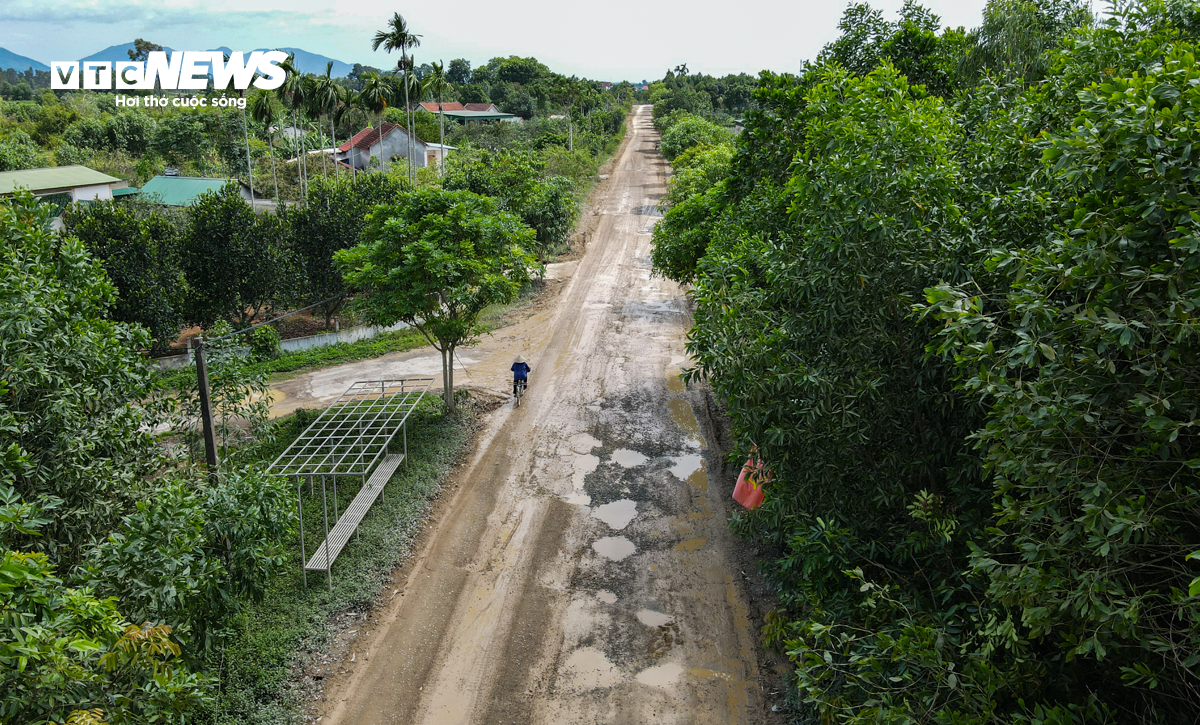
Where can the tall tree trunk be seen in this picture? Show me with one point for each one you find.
(408, 116)
(448, 377)
(324, 166)
(337, 169)
(249, 167)
(274, 176)
(441, 138)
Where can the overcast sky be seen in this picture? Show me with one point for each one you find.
(608, 40)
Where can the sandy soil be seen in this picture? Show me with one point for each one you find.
(583, 571)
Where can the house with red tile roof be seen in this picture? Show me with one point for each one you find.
(388, 144)
(432, 106)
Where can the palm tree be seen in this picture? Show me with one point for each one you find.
(246, 131)
(399, 37)
(262, 110)
(291, 93)
(326, 96)
(373, 98)
(313, 112)
(438, 85)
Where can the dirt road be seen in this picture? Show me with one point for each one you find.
(582, 573)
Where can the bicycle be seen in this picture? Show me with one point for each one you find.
(520, 390)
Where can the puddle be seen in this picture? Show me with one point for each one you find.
(705, 674)
(675, 384)
(578, 499)
(699, 480)
(691, 544)
(615, 548)
(617, 514)
(684, 466)
(651, 618)
(582, 443)
(682, 414)
(661, 675)
(627, 458)
(587, 669)
(606, 596)
(583, 466)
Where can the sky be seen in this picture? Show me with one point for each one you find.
(611, 40)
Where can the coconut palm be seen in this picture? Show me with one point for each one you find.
(437, 85)
(325, 98)
(399, 37)
(262, 110)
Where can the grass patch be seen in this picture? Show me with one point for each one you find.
(255, 668)
(404, 340)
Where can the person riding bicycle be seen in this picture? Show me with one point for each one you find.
(520, 371)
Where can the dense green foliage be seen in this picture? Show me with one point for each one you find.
(162, 543)
(518, 181)
(139, 246)
(945, 285)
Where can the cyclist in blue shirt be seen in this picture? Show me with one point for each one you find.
(520, 371)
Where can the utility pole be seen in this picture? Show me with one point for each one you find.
(206, 417)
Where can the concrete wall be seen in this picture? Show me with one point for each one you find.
(297, 344)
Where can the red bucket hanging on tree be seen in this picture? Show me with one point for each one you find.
(755, 474)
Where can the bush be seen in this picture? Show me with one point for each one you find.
(689, 132)
(264, 343)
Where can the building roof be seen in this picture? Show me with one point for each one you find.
(126, 191)
(180, 190)
(473, 115)
(368, 137)
(54, 177)
(432, 106)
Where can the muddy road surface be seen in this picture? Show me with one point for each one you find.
(583, 571)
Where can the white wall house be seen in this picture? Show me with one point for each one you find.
(388, 144)
(80, 182)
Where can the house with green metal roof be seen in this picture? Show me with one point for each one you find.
(183, 190)
(78, 182)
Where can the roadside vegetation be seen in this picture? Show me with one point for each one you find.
(136, 585)
(944, 284)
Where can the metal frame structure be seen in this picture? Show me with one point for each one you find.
(349, 438)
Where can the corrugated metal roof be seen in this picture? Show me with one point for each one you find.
(126, 191)
(180, 190)
(54, 177)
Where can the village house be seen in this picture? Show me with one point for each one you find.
(78, 182)
(389, 144)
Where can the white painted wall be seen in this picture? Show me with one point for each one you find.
(97, 192)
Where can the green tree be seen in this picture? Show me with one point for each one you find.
(63, 651)
(435, 259)
(399, 37)
(438, 85)
(74, 378)
(262, 110)
(236, 263)
(139, 246)
(690, 132)
(332, 220)
(459, 72)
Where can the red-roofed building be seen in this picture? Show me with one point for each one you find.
(432, 106)
(389, 144)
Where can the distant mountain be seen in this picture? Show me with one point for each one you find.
(306, 62)
(113, 53)
(315, 63)
(9, 59)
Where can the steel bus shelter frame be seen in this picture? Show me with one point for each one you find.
(349, 438)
